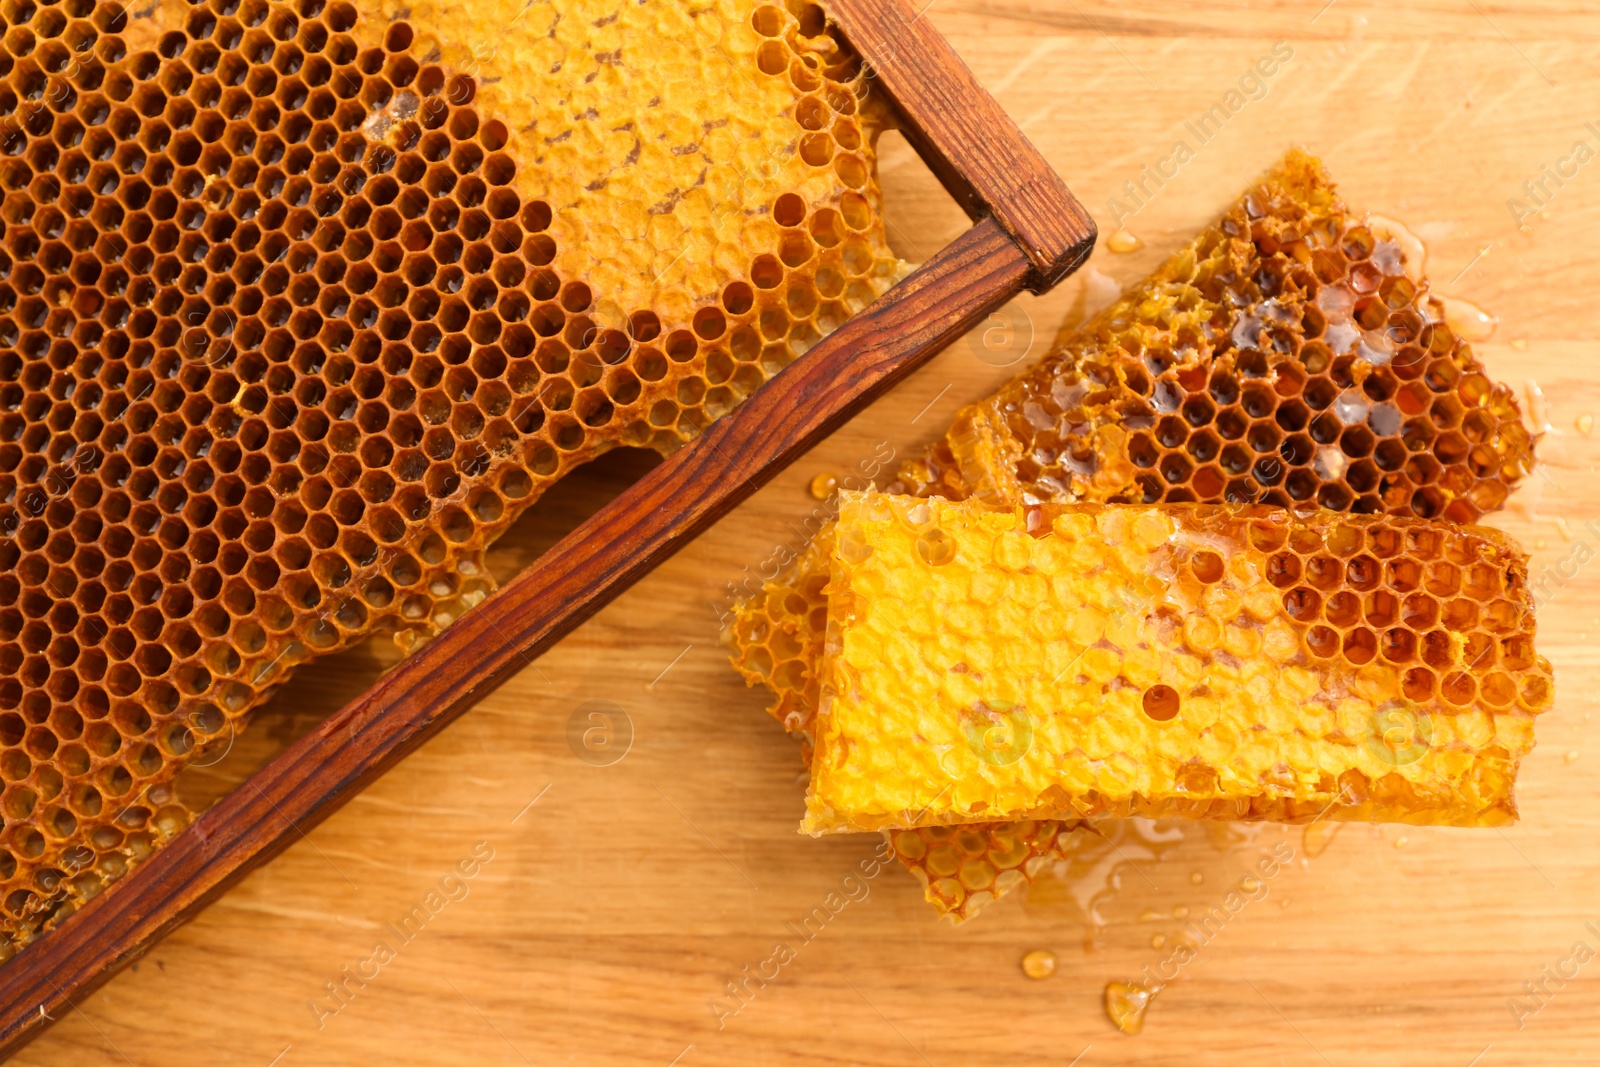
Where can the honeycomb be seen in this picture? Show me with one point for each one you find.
(964, 868)
(1159, 398)
(1192, 661)
(1291, 354)
(294, 322)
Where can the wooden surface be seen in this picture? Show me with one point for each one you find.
(620, 903)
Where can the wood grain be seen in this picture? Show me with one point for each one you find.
(617, 906)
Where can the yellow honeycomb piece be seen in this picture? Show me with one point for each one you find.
(303, 302)
(1197, 661)
(1165, 358)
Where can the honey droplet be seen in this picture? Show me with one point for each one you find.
(1317, 836)
(1520, 345)
(1467, 320)
(1123, 241)
(1181, 911)
(823, 485)
(1100, 291)
(1586, 424)
(1126, 1003)
(1158, 940)
(1572, 757)
(1401, 841)
(1040, 963)
(1197, 878)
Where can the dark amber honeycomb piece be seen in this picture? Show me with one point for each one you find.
(302, 303)
(1291, 354)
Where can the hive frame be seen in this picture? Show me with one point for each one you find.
(1029, 232)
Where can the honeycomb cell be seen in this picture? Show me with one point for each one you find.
(297, 314)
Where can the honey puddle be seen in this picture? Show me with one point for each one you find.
(1318, 836)
(1413, 253)
(1096, 867)
(1100, 291)
(1536, 419)
(1467, 320)
(1114, 863)
(1536, 408)
(1128, 863)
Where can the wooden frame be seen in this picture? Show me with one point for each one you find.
(1028, 233)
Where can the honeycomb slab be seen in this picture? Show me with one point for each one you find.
(303, 303)
(1225, 662)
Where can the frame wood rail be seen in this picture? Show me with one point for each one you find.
(978, 153)
(1029, 233)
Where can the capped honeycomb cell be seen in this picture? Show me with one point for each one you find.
(1088, 660)
(303, 302)
(1238, 372)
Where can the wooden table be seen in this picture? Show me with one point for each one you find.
(621, 902)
